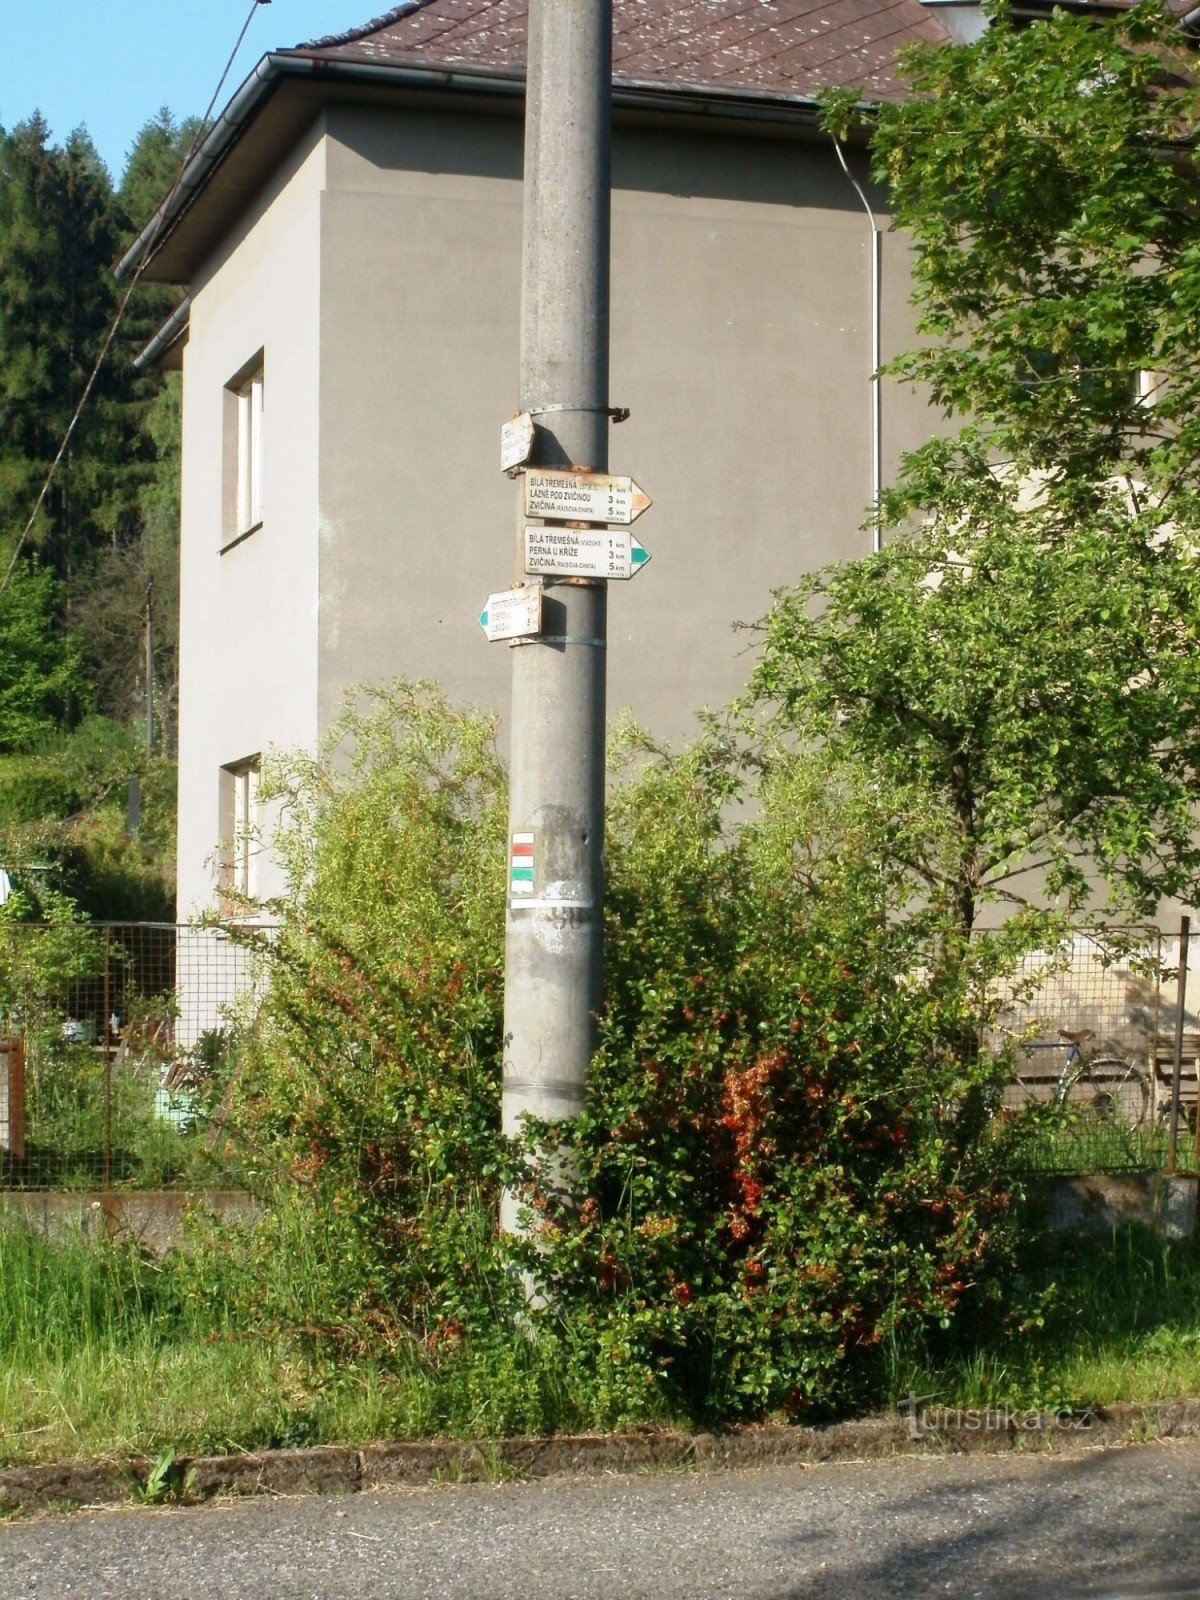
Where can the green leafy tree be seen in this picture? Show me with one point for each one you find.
(155, 161)
(1024, 653)
(1042, 178)
(109, 615)
(63, 811)
(108, 529)
(42, 683)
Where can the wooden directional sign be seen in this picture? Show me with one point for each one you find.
(583, 497)
(516, 442)
(513, 613)
(586, 553)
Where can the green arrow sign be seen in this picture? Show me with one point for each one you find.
(513, 613)
(584, 552)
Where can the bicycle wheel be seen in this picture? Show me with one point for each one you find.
(1111, 1086)
(1036, 1078)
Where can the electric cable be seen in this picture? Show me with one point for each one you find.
(198, 138)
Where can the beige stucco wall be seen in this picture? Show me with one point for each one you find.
(740, 340)
(380, 273)
(248, 635)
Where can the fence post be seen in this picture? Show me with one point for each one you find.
(107, 1062)
(12, 1053)
(1185, 924)
(16, 1096)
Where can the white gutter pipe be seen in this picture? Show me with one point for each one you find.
(876, 353)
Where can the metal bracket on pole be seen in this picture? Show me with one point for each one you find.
(617, 413)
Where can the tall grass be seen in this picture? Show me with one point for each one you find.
(1068, 1142)
(226, 1345)
(1103, 1320)
(59, 1298)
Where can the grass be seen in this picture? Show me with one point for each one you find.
(74, 1142)
(106, 1353)
(1110, 1319)
(1069, 1142)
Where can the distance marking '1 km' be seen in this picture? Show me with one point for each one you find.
(513, 613)
(520, 864)
(583, 497)
(584, 553)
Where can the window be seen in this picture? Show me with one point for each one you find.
(1098, 386)
(243, 453)
(1148, 385)
(240, 843)
(249, 453)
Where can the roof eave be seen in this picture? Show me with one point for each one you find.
(227, 128)
(654, 96)
(164, 352)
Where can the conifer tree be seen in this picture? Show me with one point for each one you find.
(58, 236)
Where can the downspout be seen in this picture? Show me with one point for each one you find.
(876, 353)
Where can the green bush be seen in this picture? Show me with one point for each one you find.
(786, 1160)
(33, 788)
(370, 1081)
(64, 813)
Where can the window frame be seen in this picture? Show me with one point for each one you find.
(245, 404)
(241, 836)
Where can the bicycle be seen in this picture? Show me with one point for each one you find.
(1109, 1086)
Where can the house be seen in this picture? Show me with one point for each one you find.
(349, 241)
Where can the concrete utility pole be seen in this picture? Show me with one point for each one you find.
(133, 816)
(554, 939)
(150, 666)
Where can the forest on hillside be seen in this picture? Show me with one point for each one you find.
(104, 542)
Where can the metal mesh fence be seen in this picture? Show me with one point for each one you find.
(113, 1042)
(116, 1041)
(1090, 1031)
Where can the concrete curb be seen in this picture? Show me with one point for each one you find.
(337, 1469)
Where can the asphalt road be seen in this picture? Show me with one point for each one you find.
(1106, 1523)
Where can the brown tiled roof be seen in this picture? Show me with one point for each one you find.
(779, 48)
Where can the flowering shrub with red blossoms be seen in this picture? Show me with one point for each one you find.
(786, 1162)
(786, 1159)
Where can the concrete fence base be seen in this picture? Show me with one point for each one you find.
(1167, 1205)
(154, 1218)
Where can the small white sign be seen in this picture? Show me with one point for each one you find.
(513, 613)
(584, 553)
(516, 442)
(583, 497)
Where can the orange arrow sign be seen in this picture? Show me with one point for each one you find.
(583, 497)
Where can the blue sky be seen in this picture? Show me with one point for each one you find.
(110, 64)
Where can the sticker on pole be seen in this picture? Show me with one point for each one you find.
(513, 613)
(516, 442)
(520, 864)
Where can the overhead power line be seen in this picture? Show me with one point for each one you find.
(114, 326)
